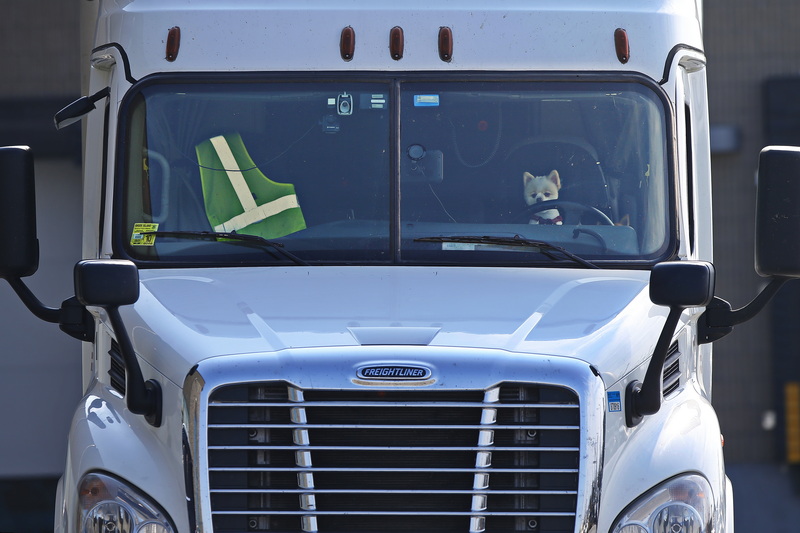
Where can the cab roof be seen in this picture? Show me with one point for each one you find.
(505, 35)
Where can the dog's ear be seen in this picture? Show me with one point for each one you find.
(526, 177)
(555, 178)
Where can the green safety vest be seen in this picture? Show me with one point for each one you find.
(239, 197)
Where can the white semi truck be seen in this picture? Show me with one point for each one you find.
(319, 293)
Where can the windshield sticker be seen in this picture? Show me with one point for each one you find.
(462, 246)
(344, 104)
(374, 101)
(614, 402)
(426, 100)
(138, 237)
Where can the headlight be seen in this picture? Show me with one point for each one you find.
(108, 505)
(681, 505)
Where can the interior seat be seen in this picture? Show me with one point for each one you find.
(582, 178)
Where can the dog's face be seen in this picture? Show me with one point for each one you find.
(541, 188)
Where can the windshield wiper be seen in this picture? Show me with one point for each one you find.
(543, 247)
(242, 237)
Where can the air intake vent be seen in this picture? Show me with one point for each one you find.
(116, 371)
(671, 377)
(288, 460)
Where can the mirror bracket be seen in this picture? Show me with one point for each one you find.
(71, 317)
(75, 320)
(719, 318)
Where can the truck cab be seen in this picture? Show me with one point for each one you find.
(421, 267)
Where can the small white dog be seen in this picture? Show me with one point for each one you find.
(541, 188)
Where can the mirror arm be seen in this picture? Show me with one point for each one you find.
(71, 317)
(42, 312)
(645, 398)
(719, 318)
(142, 397)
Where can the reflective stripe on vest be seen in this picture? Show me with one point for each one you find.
(230, 186)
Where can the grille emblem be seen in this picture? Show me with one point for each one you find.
(394, 372)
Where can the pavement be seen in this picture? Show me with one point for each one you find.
(766, 498)
(26, 505)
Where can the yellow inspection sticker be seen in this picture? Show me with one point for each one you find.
(139, 229)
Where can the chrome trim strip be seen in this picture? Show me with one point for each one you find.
(477, 523)
(305, 479)
(195, 462)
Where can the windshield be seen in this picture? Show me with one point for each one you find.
(471, 172)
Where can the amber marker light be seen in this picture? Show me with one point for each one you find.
(396, 43)
(622, 45)
(173, 43)
(347, 43)
(445, 44)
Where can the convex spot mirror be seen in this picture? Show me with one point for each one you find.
(682, 284)
(778, 212)
(106, 282)
(75, 111)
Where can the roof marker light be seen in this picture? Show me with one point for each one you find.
(622, 45)
(396, 43)
(347, 43)
(445, 44)
(173, 43)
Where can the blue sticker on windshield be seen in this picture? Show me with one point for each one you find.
(426, 100)
(614, 402)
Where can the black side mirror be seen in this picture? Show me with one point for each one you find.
(777, 239)
(106, 282)
(778, 212)
(19, 254)
(682, 284)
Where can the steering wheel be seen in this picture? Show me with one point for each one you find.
(571, 211)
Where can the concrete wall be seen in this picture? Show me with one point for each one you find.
(40, 378)
(746, 43)
(39, 365)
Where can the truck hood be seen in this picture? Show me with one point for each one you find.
(602, 317)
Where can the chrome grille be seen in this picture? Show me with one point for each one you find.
(289, 460)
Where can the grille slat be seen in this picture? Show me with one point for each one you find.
(116, 371)
(401, 448)
(354, 491)
(671, 375)
(282, 459)
(388, 513)
(420, 405)
(455, 470)
(386, 426)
